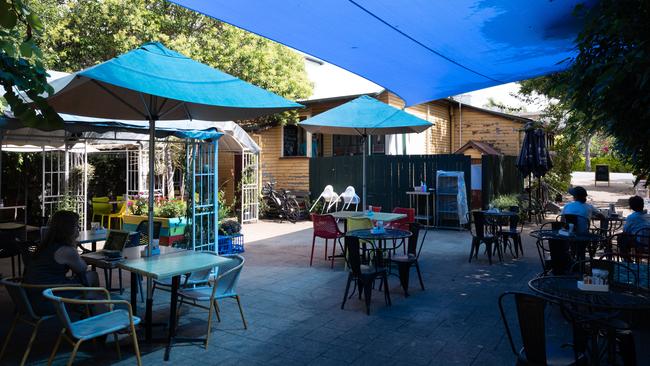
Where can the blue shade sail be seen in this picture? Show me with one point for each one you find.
(154, 80)
(365, 116)
(419, 50)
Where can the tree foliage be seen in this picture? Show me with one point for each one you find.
(82, 33)
(21, 70)
(609, 79)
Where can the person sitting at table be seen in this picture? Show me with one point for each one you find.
(637, 220)
(580, 208)
(57, 254)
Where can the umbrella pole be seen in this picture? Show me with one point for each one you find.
(530, 197)
(365, 148)
(152, 151)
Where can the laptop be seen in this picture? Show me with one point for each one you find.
(114, 244)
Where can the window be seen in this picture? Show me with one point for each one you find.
(346, 145)
(352, 145)
(294, 141)
(317, 145)
(378, 145)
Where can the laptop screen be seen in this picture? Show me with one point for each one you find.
(116, 240)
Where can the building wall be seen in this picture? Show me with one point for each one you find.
(439, 135)
(289, 172)
(502, 133)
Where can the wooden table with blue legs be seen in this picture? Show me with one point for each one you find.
(165, 266)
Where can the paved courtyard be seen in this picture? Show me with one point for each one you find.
(294, 314)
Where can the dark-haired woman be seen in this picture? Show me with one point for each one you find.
(57, 255)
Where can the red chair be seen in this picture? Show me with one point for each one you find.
(403, 224)
(325, 227)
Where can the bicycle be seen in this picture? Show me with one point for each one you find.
(281, 204)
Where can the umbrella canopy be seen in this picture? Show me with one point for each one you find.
(365, 116)
(419, 50)
(154, 81)
(534, 157)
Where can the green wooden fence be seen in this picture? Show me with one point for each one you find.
(388, 177)
(499, 176)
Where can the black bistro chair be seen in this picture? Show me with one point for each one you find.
(410, 259)
(535, 350)
(477, 227)
(364, 276)
(10, 248)
(513, 233)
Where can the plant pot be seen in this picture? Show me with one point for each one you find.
(172, 229)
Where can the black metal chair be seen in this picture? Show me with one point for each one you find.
(480, 236)
(535, 350)
(513, 233)
(364, 276)
(10, 248)
(410, 259)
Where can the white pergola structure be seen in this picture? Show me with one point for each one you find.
(65, 155)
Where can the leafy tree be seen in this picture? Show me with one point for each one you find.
(82, 33)
(21, 70)
(609, 79)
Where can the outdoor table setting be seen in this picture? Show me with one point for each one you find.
(578, 243)
(375, 216)
(395, 236)
(593, 308)
(170, 263)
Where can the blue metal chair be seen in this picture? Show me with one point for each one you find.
(110, 322)
(25, 312)
(221, 287)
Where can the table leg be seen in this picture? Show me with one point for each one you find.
(176, 280)
(134, 293)
(94, 246)
(148, 319)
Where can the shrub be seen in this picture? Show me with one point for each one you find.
(504, 202)
(170, 208)
(229, 227)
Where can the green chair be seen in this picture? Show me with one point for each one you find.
(359, 223)
(110, 322)
(101, 208)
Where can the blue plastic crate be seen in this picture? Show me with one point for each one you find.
(230, 244)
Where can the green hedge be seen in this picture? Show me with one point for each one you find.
(615, 165)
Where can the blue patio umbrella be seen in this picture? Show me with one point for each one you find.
(365, 116)
(155, 83)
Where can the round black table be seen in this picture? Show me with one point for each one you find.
(507, 214)
(577, 242)
(599, 305)
(394, 236)
(565, 289)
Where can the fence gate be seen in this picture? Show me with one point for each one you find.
(135, 175)
(203, 179)
(250, 187)
(64, 178)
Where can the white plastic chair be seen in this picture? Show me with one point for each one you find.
(330, 198)
(350, 197)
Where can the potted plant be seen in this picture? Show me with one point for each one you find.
(170, 213)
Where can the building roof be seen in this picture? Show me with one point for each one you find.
(483, 147)
(496, 113)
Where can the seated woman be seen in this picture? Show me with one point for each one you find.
(56, 255)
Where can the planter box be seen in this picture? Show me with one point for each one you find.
(172, 229)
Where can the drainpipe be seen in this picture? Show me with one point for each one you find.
(460, 124)
(450, 111)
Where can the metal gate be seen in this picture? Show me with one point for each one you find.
(203, 179)
(136, 171)
(250, 187)
(64, 183)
